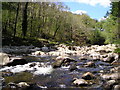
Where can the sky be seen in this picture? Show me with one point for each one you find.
(96, 9)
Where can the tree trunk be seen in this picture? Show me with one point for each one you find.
(16, 20)
(56, 31)
(24, 22)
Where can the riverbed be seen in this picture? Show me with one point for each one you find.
(39, 73)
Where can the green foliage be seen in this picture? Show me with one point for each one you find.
(96, 38)
(52, 22)
(45, 20)
(117, 50)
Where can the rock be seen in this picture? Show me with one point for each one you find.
(113, 76)
(32, 65)
(72, 67)
(12, 85)
(116, 87)
(23, 84)
(38, 53)
(57, 63)
(4, 59)
(88, 76)
(80, 82)
(17, 62)
(83, 58)
(62, 60)
(109, 84)
(115, 69)
(109, 59)
(90, 64)
(45, 49)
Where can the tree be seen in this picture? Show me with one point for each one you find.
(17, 12)
(24, 22)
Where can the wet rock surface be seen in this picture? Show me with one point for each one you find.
(61, 66)
(80, 82)
(88, 76)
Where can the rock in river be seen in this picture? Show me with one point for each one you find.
(17, 62)
(88, 76)
(73, 67)
(22, 84)
(62, 60)
(4, 59)
(90, 64)
(80, 82)
(113, 76)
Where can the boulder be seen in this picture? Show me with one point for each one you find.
(57, 63)
(17, 62)
(109, 59)
(109, 84)
(113, 76)
(62, 60)
(4, 59)
(80, 82)
(117, 87)
(88, 76)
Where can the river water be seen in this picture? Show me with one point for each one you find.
(56, 78)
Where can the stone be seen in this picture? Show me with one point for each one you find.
(23, 84)
(88, 76)
(115, 69)
(62, 60)
(90, 64)
(45, 49)
(17, 62)
(32, 65)
(4, 59)
(80, 82)
(57, 64)
(12, 85)
(38, 53)
(109, 84)
(116, 87)
(113, 76)
(72, 67)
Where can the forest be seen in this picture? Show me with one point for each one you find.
(26, 23)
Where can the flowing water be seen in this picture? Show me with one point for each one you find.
(45, 76)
